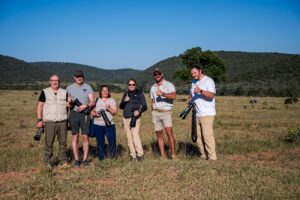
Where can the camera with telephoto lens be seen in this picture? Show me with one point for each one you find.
(187, 110)
(78, 103)
(133, 118)
(102, 113)
(38, 134)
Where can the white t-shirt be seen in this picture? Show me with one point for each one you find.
(101, 105)
(204, 105)
(161, 102)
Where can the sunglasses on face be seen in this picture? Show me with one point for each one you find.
(157, 74)
(131, 84)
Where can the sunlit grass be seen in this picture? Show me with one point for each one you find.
(254, 161)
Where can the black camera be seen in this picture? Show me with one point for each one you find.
(133, 118)
(104, 116)
(187, 110)
(78, 103)
(38, 134)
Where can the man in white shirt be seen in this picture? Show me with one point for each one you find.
(203, 95)
(162, 94)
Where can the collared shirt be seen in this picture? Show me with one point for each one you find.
(204, 106)
(161, 102)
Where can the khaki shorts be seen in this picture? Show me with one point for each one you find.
(161, 120)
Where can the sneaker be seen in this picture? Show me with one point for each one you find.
(140, 158)
(86, 163)
(77, 163)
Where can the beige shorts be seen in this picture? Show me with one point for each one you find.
(161, 120)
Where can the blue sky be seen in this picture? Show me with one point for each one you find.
(139, 33)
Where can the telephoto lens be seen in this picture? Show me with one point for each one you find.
(132, 122)
(38, 134)
(187, 110)
(105, 118)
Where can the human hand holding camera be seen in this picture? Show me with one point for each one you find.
(136, 113)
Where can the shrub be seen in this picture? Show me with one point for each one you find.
(288, 101)
(293, 135)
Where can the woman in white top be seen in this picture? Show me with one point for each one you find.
(104, 125)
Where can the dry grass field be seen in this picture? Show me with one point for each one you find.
(253, 162)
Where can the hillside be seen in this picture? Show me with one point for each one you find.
(248, 73)
(273, 74)
(66, 70)
(14, 71)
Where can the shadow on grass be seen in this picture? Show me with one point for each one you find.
(93, 152)
(187, 149)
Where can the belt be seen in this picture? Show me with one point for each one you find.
(56, 121)
(161, 110)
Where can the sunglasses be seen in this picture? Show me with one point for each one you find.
(131, 84)
(157, 74)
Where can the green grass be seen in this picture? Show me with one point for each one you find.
(254, 161)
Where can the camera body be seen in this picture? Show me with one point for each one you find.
(104, 116)
(38, 134)
(77, 103)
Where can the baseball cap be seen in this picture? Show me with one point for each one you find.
(78, 73)
(157, 70)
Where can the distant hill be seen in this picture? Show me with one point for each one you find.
(248, 73)
(66, 70)
(13, 71)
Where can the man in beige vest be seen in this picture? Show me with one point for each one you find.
(52, 114)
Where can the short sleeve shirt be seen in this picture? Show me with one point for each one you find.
(80, 92)
(204, 106)
(101, 105)
(159, 101)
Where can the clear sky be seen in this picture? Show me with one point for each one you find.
(139, 33)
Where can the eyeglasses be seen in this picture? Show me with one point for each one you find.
(157, 74)
(131, 84)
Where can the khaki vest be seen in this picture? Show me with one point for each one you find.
(55, 109)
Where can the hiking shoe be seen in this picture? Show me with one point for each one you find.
(140, 158)
(77, 163)
(86, 163)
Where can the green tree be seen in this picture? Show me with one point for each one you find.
(209, 62)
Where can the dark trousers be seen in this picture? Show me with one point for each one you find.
(110, 133)
(53, 129)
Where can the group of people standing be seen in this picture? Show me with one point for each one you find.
(78, 98)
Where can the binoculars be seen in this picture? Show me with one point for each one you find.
(187, 110)
(38, 134)
(104, 116)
